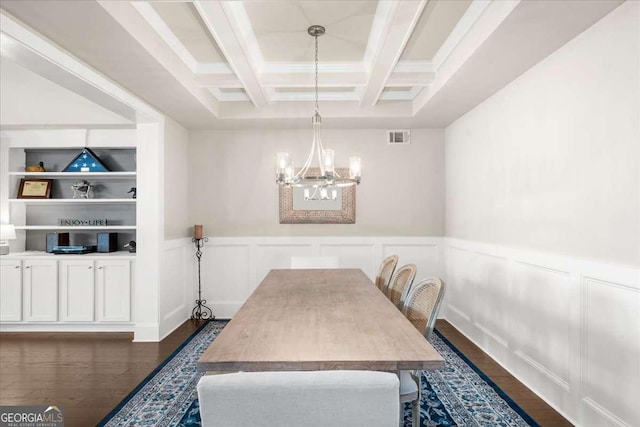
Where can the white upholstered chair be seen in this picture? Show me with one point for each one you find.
(301, 398)
(421, 308)
(315, 262)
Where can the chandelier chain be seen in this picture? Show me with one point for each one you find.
(316, 38)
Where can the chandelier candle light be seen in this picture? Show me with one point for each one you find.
(322, 186)
(200, 311)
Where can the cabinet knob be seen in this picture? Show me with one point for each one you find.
(28, 266)
(90, 267)
(17, 266)
(99, 268)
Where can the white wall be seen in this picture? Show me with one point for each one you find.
(233, 190)
(551, 161)
(29, 99)
(543, 224)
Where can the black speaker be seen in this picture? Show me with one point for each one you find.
(56, 239)
(107, 242)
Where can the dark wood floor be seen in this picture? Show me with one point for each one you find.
(89, 374)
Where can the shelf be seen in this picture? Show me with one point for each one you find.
(71, 201)
(75, 175)
(60, 227)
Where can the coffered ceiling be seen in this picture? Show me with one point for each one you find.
(241, 61)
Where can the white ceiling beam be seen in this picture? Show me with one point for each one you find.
(228, 34)
(218, 80)
(308, 80)
(401, 21)
(410, 79)
(480, 20)
(34, 52)
(133, 22)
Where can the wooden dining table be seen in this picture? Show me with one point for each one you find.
(319, 319)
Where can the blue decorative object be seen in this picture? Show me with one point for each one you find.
(86, 161)
(458, 395)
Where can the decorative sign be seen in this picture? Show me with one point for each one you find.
(86, 161)
(73, 222)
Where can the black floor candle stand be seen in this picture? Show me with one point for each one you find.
(200, 311)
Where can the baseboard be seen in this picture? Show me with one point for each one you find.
(146, 332)
(57, 327)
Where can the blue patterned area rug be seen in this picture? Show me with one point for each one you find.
(459, 395)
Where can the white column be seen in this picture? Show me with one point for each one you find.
(150, 231)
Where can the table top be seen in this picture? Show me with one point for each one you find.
(303, 320)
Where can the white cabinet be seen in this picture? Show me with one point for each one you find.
(77, 285)
(65, 291)
(40, 280)
(114, 290)
(10, 290)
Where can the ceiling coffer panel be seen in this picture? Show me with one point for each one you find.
(280, 29)
(185, 23)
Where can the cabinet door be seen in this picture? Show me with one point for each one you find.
(40, 280)
(77, 284)
(114, 290)
(10, 291)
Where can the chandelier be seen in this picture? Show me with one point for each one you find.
(317, 186)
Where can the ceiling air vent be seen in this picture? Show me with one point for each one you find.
(399, 137)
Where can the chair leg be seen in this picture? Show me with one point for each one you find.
(415, 409)
(417, 403)
(401, 420)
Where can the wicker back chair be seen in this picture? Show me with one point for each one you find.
(423, 303)
(385, 273)
(400, 284)
(421, 307)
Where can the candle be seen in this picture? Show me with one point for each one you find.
(197, 231)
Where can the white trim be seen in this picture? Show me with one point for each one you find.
(65, 327)
(241, 22)
(228, 96)
(402, 20)
(415, 66)
(162, 29)
(463, 26)
(146, 332)
(212, 68)
(309, 67)
(379, 26)
(401, 95)
(125, 104)
(222, 22)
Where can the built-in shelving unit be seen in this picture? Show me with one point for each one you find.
(110, 197)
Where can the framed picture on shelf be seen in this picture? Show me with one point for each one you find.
(35, 188)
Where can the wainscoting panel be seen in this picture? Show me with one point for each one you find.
(541, 323)
(493, 316)
(609, 307)
(353, 256)
(272, 256)
(567, 328)
(232, 267)
(176, 293)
